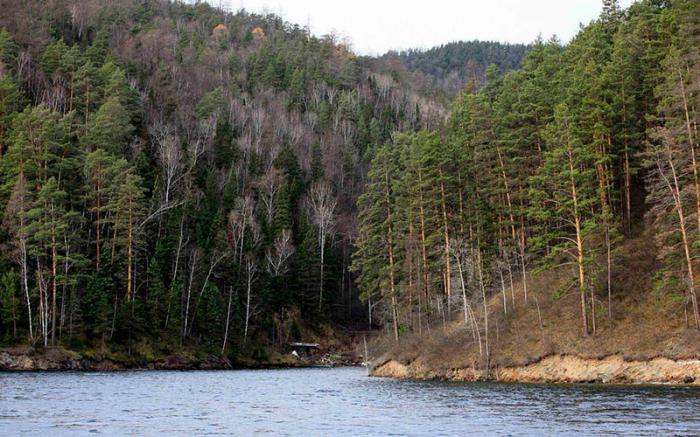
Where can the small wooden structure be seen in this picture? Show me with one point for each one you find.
(303, 348)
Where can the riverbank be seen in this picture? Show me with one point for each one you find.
(58, 359)
(564, 369)
(642, 338)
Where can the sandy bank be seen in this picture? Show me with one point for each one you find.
(561, 369)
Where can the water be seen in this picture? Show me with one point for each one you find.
(313, 402)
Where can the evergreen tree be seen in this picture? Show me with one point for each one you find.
(109, 129)
(566, 189)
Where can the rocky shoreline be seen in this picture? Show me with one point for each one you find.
(563, 369)
(62, 360)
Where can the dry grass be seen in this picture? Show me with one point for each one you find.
(645, 323)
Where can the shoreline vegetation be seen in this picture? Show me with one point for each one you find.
(27, 359)
(187, 188)
(539, 342)
(550, 230)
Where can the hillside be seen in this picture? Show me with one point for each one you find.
(571, 182)
(177, 178)
(180, 179)
(643, 339)
(180, 183)
(450, 66)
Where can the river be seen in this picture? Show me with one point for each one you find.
(317, 402)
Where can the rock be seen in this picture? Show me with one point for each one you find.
(15, 362)
(391, 369)
(561, 369)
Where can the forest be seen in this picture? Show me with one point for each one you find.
(177, 176)
(555, 166)
(174, 176)
(449, 67)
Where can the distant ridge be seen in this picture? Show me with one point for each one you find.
(452, 65)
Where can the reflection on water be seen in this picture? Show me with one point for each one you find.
(314, 402)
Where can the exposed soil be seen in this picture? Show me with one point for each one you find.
(645, 341)
(561, 369)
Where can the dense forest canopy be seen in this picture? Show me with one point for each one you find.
(175, 176)
(556, 164)
(450, 66)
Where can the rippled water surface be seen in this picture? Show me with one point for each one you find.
(332, 402)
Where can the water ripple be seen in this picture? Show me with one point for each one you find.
(335, 402)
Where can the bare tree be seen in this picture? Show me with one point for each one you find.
(14, 220)
(169, 157)
(268, 187)
(251, 268)
(279, 254)
(670, 167)
(214, 259)
(240, 219)
(193, 264)
(228, 319)
(465, 268)
(322, 205)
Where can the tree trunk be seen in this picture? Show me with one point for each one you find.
(247, 305)
(25, 283)
(424, 253)
(129, 255)
(676, 193)
(691, 144)
(579, 245)
(627, 182)
(609, 278)
(228, 319)
(446, 234)
(64, 288)
(175, 269)
(98, 199)
(189, 295)
(322, 245)
(54, 273)
(390, 244)
(503, 292)
(482, 286)
(212, 265)
(523, 272)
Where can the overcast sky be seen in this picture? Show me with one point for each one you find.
(376, 26)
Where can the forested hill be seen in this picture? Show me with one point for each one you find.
(173, 175)
(450, 66)
(178, 179)
(580, 166)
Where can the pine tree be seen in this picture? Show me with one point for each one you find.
(127, 209)
(9, 302)
(47, 222)
(376, 259)
(12, 101)
(566, 188)
(109, 129)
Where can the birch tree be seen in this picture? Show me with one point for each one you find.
(322, 209)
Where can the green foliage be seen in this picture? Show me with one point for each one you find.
(8, 51)
(9, 302)
(210, 104)
(134, 104)
(454, 64)
(12, 101)
(110, 129)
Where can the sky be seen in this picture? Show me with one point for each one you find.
(375, 26)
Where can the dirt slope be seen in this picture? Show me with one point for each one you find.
(645, 340)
